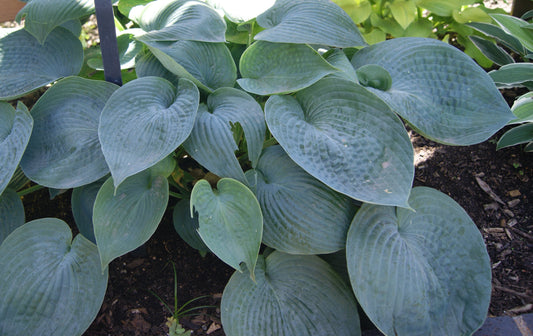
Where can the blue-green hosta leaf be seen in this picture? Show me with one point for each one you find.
(515, 74)
(309, 21)
(523, 109)
(51, 284)
(18, 180)
(269, 68)
(144, 121)
(187, 226)
(347, 138)
(490, 49)
(128, 48)
(422, 272)
(15, 130)
(126, 217)
(173, 20)
(82, 203)
(26, 65)
(209, 65)
(301, 214)
(11, 213)
(438, 89)
(211, 142)
(231, 223)
(240, 11)
(146, 64)
(515, 27)
(518, 135)
(64, 151)
(338, 59)
(42, 16)
(292, 296)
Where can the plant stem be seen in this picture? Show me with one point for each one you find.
(30, 190)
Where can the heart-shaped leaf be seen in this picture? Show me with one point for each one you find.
(347, 138)
(50, 284)
(82, 203)
(15, 130)
(187, 226)
(311, 22)
(292, 296)
(42, 16)
(146, 64)
(144, 121)
(422, 272)
(269, 68)
(438, 89)
(126, 217)
(301, 214)
(64, 151)
(25, 69)
(212, 143)
(11, 213)
(231, 223)
(173, 20)
(209, 65)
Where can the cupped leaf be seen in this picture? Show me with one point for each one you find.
(422, 272)
(42, 16)
(146, 64)
(187, 226)
(240, 11)
(231, 223)
(338, 59)
(515, 27)
(26, 65)
(269, 68)
(301, 214)
(15, 130)
(82, 203)
(144, 121)
(11, 213)
(64, 151)
(51, 284)
(212, 142)
(128, 48)
(346, 137)
(311, 22)
(292, 296)
(519, 135)
(209, 65)
(438, 89)
(173, 20)
(126, 217)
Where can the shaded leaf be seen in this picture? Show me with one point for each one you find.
(50, 283)
(515, 27)
(126, 217)
(518, 135)
(11, 213)
(15, 130)
(493, 52)
(271, 68)
(82, 203)
(187, 226)
(64, 151)
(231, 223)
(292, 295)
(128, 48)
(500, 35)
(24, 69)
(301, 214)
(144, 121)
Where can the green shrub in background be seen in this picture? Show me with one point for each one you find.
(512, 36)
(300, 126)
(442, 19)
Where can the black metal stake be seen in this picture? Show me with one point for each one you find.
(108, 41)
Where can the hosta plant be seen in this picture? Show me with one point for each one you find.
(282, 135)
(511, 36)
